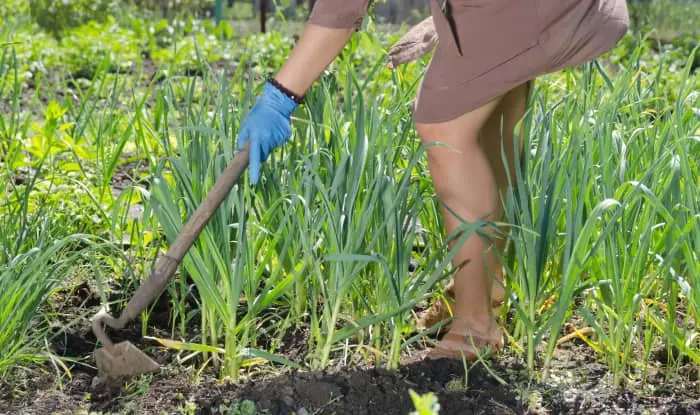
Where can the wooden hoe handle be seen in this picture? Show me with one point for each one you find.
(167, 264)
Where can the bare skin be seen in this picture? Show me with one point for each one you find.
(499, 130)
(315, 50)
(468, 174)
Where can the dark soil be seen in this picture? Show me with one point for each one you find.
(577, 382)
(128, 173)
(361, 390)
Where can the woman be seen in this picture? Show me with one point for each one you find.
(477, 84)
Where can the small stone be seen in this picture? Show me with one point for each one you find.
(95, 382)
(302, 411)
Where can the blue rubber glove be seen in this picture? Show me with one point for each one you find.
(267, 126)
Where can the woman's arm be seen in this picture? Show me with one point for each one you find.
(315, 50)
(268, 124)
(330, 26)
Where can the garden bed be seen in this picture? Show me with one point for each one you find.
(577, 382)
(578, 385)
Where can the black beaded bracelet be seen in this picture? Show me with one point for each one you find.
(294, 97)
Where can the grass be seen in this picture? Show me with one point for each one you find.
(39, 252)
(343, 235)
(602, 221)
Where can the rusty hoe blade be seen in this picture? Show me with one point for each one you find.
(116, 361)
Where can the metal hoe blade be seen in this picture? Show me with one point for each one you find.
(122, 361)
(116, 361)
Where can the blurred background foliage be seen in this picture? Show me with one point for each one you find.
(55, 16)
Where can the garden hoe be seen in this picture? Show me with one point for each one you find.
(124, 360)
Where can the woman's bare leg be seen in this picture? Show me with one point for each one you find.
(465, 183)
(499, 127)
(470, 177)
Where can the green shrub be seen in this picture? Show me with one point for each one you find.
(55, 16)
(176, 8)
(85, 48)
(12, 8)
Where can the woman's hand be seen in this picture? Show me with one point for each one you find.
(418, 41)
(268, 125)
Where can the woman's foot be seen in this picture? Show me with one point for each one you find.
(442, 308)
(467, 345)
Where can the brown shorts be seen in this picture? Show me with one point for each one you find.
(488, 47)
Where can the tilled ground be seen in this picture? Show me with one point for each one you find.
(577, 384)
